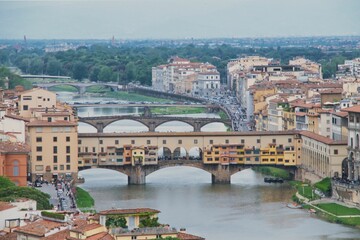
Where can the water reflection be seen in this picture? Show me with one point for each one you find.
(246, 209)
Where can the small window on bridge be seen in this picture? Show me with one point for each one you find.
(180, 141)
(132, 141)
(258, 140)
(195, 141)
(148, 142)
(100, 141)
(211, 141)
(226, 140)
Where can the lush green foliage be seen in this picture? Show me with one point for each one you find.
(14, 79)
(149, 222)
(5, 182)
(134, 97)
(324, 186)
(273, 171)
(177, 110)
(83, 199)
(126, 64)
(338, 210)
(53, 215)
(116, 221)
(10, 192)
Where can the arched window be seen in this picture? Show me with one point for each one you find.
(15, 168)
(351, 142)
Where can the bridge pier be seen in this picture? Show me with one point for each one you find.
(100, 127)
(197, 127)
(137, 176)
(221, 176)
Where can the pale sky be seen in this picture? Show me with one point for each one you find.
(134, 19)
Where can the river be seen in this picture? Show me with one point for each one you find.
(246, 209)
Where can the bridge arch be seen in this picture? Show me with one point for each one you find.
(180, 153)
(112, 88)
(217, 126)
(76, 88)
(168, 122)
(133, 125)
(164, 153)
(85, 127)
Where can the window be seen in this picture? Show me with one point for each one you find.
(211, 141)
(55, 149)
(55, 167)
(67, 167)
(164, 141)
(226, 140)
(242, 141)
(258, 140)
(67, 158)
(25, 107)
(274, 140)
(39, 139)
(100, 141)
(39, 168)
(61, 167)
(15, 168)
(289, 140)
(179, 141)
(49, 119)
(86, 149)
(336, 152)
(54, 139)
(38, 158)
(39, 129)
(195, 141)
(55, 159)
(65, 118)
(68, 139)
(94, 149)
(132, 141)
(39, 149)
(67, 149)
(116, 142)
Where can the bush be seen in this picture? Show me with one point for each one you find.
(83, 198)
(53, 215)
(5, 182)
(273, 171)
(12, 193)
(115, 221)
(149, 222)
(324, 186)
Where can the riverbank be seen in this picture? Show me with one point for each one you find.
(134, 97)
(274, 172)
(177, 110)
(326, 208)
(84, 200)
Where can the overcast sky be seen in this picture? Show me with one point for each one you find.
(126, 19)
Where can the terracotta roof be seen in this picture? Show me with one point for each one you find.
(87, 227)
(39, 228)
(341, 114)
(188, 134)
(62, 235)
(17, 117)
(46, 123)
(186, 236)
(128, 211)
(322, 139)
(352, 109)
(5, 206)
(10, 147)
(334, 90)
(101, 236)
(300, 114)
(9, 236)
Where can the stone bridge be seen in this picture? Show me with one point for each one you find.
(81, 87)
(220, 174)
(152, 122)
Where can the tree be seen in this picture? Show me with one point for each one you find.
(36, 66)
(105, 74)
(53, 67)
(130, 72)
(94, 75)
(79, 71)
(149, 222)
(113, 221)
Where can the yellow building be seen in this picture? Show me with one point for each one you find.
(33, 99)
(54, 152)
(137, 155)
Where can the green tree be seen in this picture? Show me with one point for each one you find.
(149, 222)
(79, 71)
(94, 75)
(54, 67)
(36, 66)
(113, 221)
(105, 74)
(130, 72)
(5, 182)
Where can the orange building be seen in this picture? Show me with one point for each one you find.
(13, 162)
